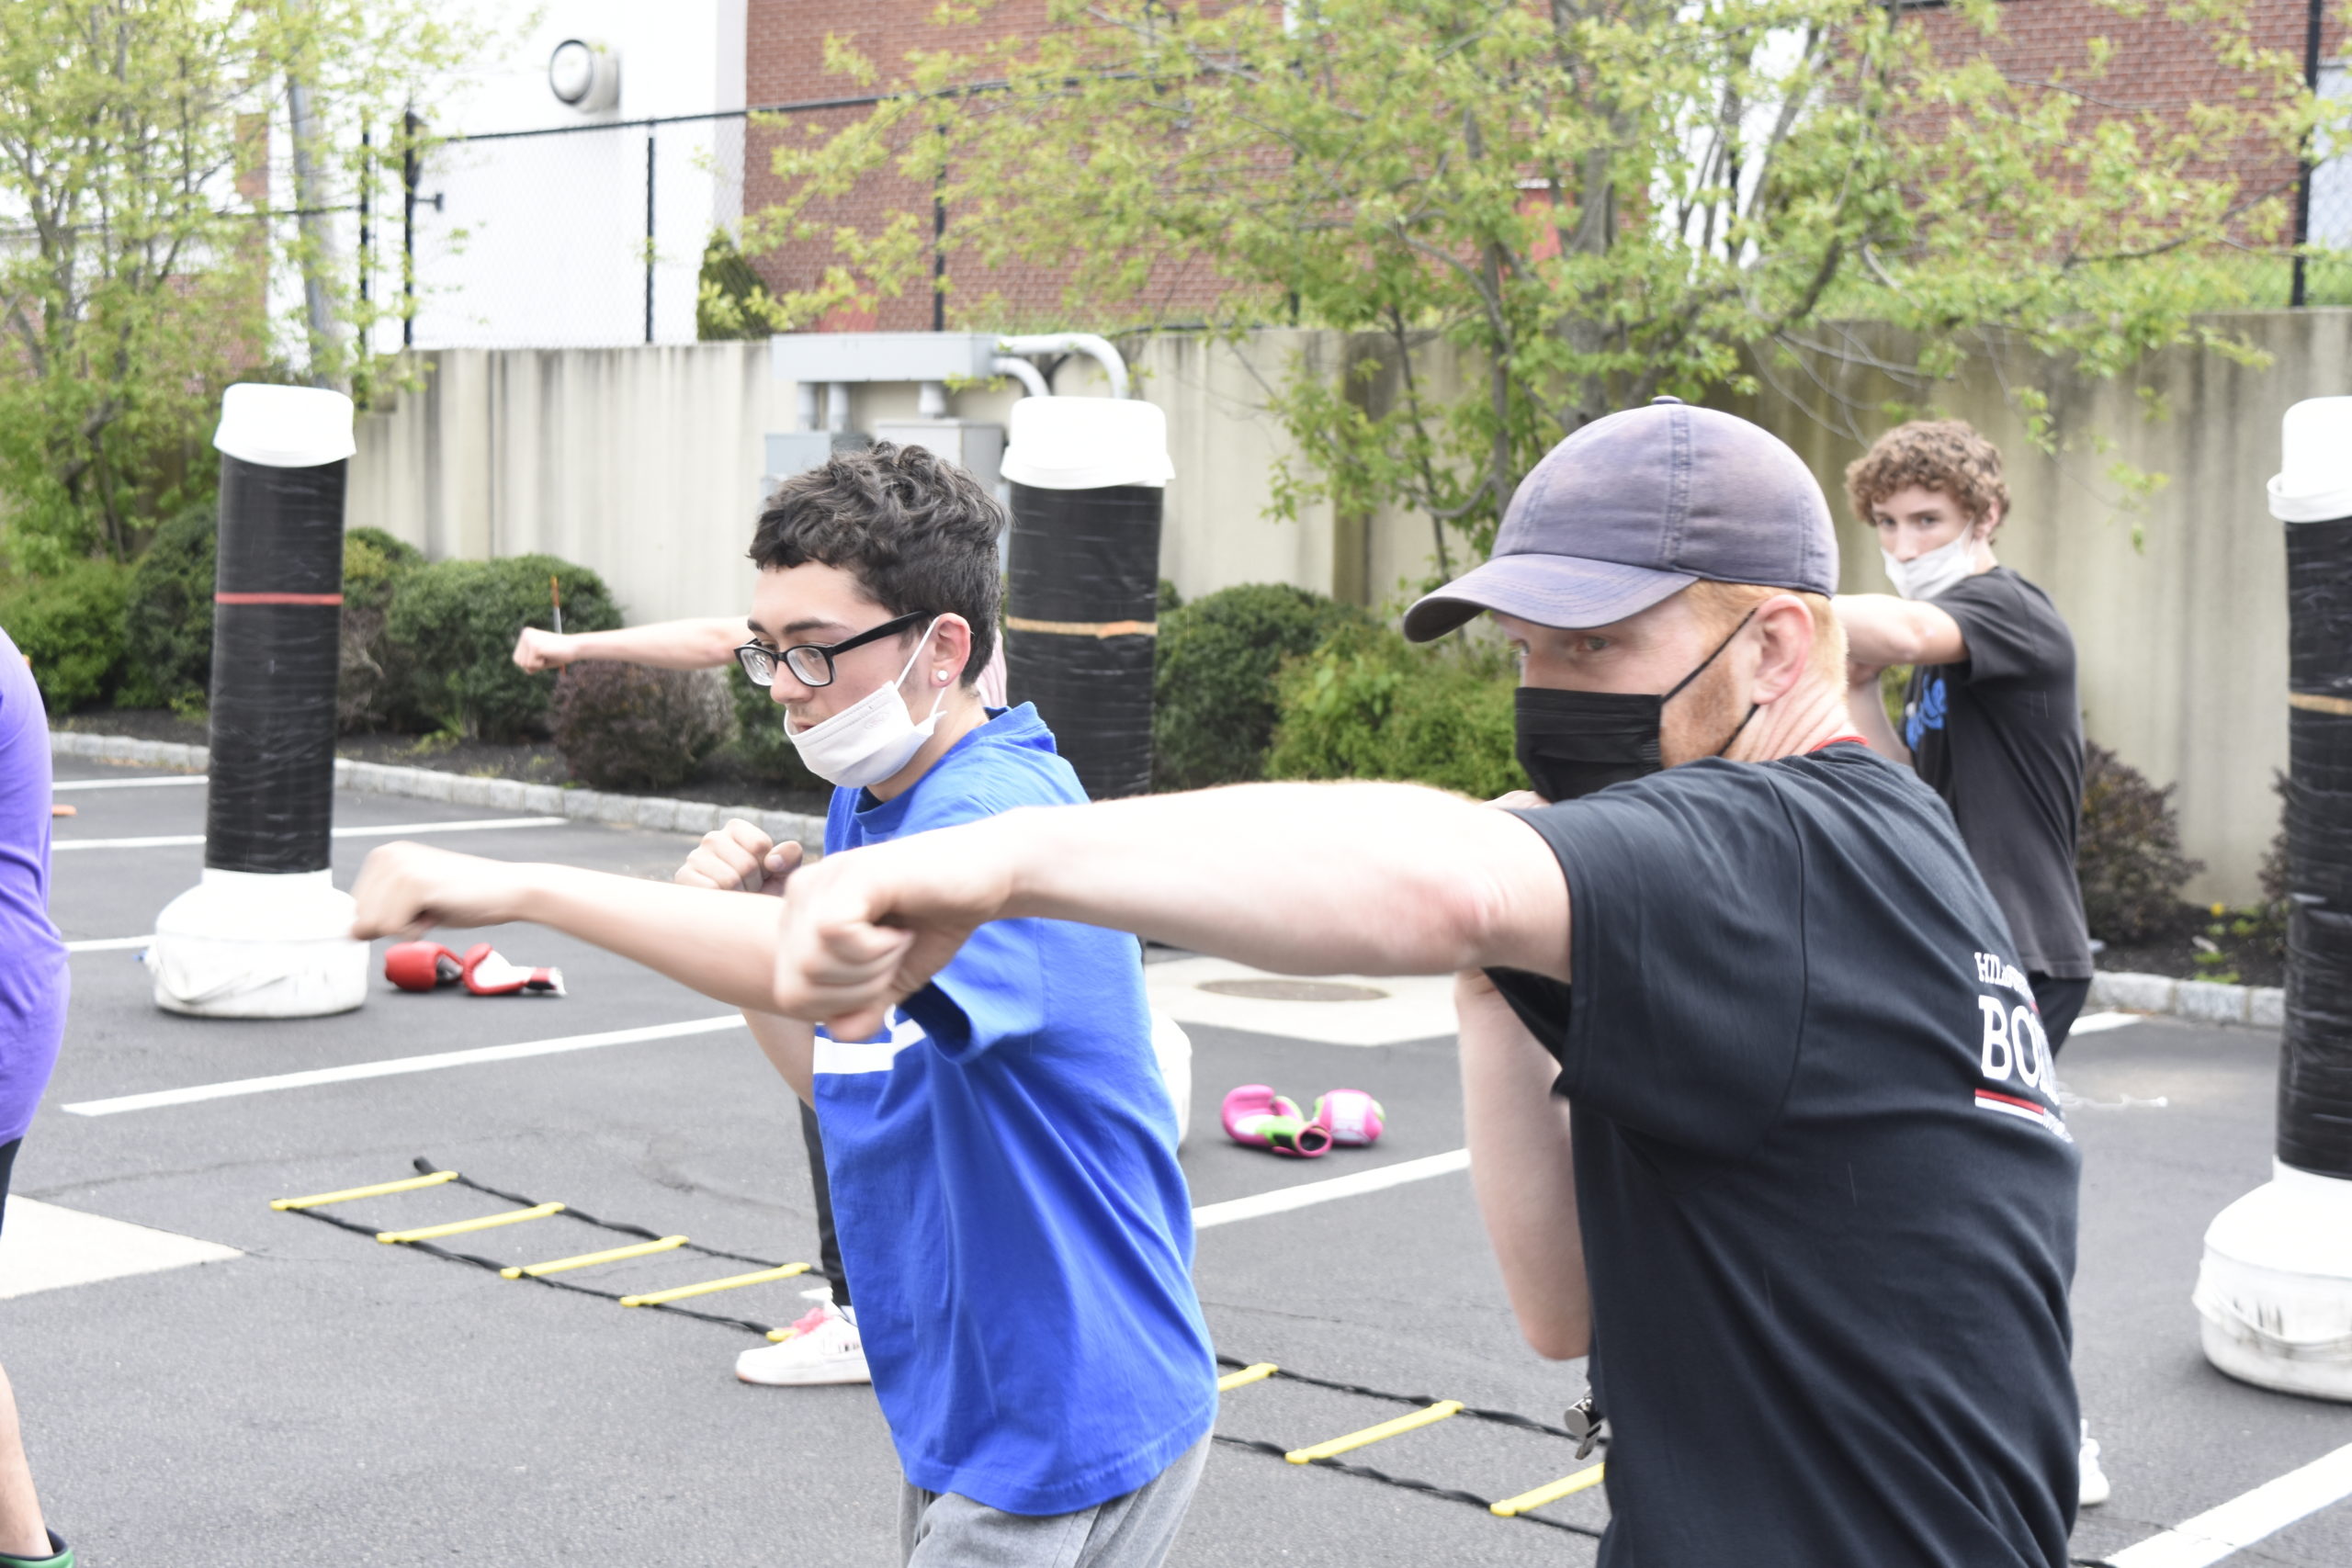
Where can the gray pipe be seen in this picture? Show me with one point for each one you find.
(1032, 380)
(1099, 349)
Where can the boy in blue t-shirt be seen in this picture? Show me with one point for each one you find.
(1001, 1156)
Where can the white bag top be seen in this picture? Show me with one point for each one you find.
(1087, 443)
(285, 427)
(2314, 480)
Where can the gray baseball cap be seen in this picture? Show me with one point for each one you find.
(1639, 506)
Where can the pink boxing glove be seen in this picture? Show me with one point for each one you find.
(1256, 1115)
(1350, 1116)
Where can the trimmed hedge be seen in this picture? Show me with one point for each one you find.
(169, 612)
(457, 621)
(69, 624)
(2128, 859)
(628, 727)
(1368, 705)
(1213, 705)
(378, 686)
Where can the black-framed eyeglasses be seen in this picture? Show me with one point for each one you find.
(811, 663)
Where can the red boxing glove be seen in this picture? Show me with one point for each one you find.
(421, 966)
(488, 975)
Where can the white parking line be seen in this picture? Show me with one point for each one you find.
(177, 841)
(1307, 1194)
(109, 943)
(395, 1067)
(2099, 1023)
(2244, 1520)
(61, 785)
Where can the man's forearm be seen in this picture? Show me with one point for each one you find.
(1523, 1172)
(1881, 629)
(1352, 878)
(704, 642)
(790, 1045)
(722, 945)
(1868, 709)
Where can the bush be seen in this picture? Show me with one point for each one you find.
(760, 739)
(1368, 705)
(169, 612)
(456, 621)
(69, 624)
(631, 726)
(1212, 679)
(2128, 859)
(376, 688)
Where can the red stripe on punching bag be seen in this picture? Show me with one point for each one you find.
(277, 598)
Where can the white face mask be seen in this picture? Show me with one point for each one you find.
(871, 738)
(1926, 576)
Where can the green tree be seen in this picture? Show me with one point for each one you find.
(138, 232)
(1594, 201)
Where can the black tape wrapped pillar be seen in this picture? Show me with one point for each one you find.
(2315, 1058)
(265, 934)
(1085, 585)
(2275, 1290)
(1087, 477)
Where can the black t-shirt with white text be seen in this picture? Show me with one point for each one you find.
(1999, 735)
(1826, 1197)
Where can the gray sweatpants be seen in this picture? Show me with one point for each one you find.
(942, 1529)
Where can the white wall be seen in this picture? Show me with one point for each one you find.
(644, 464)
(539, 241)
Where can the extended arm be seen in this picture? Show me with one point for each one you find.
(722, 945)
(1881, 630)
(704, 642)
(1522, 1170)
(1305, 879)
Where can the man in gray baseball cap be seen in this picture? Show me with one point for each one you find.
(1757, 1111)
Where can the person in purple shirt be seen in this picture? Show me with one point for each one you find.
(33, 986)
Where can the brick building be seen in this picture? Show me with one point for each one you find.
(785, 63)
(2159, 63)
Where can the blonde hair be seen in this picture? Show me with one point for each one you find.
(1721, 605)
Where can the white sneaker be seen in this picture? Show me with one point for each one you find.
(824, 1347)
(2094, 1479)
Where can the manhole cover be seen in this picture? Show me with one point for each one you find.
(1293, 990)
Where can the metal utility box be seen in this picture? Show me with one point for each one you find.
(977, 448)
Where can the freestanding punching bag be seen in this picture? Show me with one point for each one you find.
(2275, 1290)
(1088, 475)
(265, 934)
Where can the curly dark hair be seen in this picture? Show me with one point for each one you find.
(1944, 454)
(916, 532)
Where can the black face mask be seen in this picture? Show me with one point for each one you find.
(1572, 743)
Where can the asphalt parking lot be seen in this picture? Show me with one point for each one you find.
(318, 1398)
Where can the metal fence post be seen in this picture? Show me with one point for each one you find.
(648, 233)
(410, 126)
(2296, 290)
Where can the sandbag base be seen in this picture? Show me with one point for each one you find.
(244, 944)
(2275, 1290)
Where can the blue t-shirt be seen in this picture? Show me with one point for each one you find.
(33, 981)
(1005, 1186)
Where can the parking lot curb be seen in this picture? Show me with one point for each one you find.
(657, 812)
(2197, 1001)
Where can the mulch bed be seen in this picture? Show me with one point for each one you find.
(724, 777)
(2172, 950)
